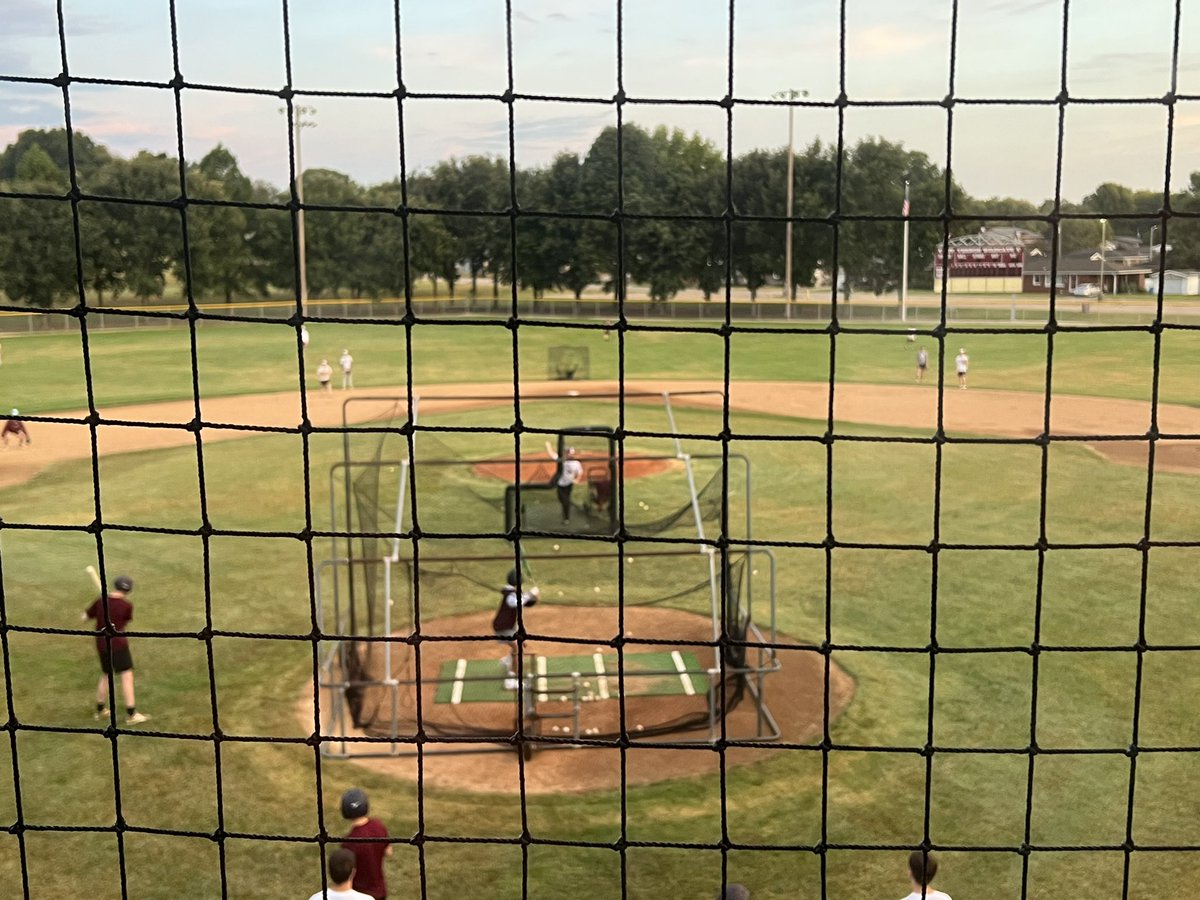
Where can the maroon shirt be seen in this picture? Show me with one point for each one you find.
(12, 426)
(120, 611)
(369, 876)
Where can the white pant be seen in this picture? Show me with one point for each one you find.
(347, 380)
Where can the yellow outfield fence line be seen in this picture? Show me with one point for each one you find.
(923, 312)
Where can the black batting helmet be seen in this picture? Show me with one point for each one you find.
(512, 577)
(354, 803)
(123, 583)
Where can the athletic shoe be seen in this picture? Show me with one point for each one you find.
(100, 714)
(137, 719)
(511, 684)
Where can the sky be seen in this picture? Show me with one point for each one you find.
(895, 50)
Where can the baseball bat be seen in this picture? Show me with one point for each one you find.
(91, 570)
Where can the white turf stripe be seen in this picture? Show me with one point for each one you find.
(460, 669)
(541, 682)
(602, 681)
(684, 678)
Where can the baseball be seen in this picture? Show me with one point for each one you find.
(596, 589)
(637, 728)
(556, 546)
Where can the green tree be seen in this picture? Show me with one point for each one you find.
(871, 252)
(37, 247)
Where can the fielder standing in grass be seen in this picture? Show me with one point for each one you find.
(114, 652)
(346, 361)
(324, 374)
(505, 622)
(368, 854)
(922, 363)
(961, 364)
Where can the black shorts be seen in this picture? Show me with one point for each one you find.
(122, 660)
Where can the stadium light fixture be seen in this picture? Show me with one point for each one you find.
(300, 121)
(791, 94)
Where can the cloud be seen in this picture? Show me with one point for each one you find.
(883, 41)
(38, 18)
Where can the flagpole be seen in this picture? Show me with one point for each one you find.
(904, 266)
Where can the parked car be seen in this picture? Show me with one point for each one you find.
(1086, 290)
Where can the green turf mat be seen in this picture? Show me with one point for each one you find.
(482, 680)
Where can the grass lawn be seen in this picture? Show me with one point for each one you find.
(42, 374)
(982, 701)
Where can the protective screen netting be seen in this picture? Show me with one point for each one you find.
(242, 844)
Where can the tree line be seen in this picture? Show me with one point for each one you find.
(653, 204)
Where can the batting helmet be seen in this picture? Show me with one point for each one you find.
(512, 577)
(123, 583)
(354, 803)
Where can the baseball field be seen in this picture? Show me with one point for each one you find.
(1040, 643)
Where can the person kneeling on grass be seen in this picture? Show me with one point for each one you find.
(506, 621)
(340, 870)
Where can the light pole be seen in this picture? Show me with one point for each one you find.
(904, 264)
(299, 112)
(790, 95)
(1103, 241)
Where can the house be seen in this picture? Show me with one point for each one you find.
(1124, 267)
(1175, 281)
(989, 262)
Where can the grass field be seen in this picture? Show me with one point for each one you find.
(45, 373)
(1090, 607)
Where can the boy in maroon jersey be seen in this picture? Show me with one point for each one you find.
(15, 428)
(368, 876)
(114, 651)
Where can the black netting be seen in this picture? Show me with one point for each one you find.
(401, 578)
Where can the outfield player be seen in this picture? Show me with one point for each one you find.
(15, 428)
(506, 620)
(961, 363)
(922, 867)
(114, 650)
(324, 374)
(922, 363)
(368, 876)
(570, 473)
(347, 363)
(340, 870)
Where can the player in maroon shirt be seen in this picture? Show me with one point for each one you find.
(368, 877)
(14, 427)
(114, 651)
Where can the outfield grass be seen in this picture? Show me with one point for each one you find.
(882, 493)
(45, 373)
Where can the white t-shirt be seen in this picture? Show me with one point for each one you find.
(324, 372)
(930, 894)
(347, 361)
(960, 363)
(571, 470)
(340, 895)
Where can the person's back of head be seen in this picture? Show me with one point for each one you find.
(922, 866)
(734, 892)
(341, 866)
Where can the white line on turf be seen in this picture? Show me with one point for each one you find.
(460, 669)
(602, 681)
(541, 682)
(684, 678)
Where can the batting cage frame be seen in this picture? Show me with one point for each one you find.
(362, 648)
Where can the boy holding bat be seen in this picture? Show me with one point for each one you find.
(114, 612)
